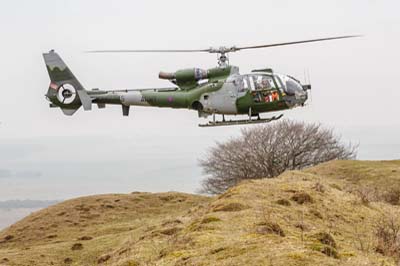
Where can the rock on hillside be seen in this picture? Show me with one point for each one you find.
(338, 213)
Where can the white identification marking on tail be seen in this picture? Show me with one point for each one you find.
(66, 93)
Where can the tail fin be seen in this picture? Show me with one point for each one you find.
(65, 91)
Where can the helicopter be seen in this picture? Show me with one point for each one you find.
(219, 90)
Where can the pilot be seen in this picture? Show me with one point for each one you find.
(275, 96)
(256, 97)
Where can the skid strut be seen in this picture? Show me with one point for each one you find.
(240, 122)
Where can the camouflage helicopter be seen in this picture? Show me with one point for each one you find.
(219, 90)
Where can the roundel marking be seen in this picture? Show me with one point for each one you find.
(66, 93)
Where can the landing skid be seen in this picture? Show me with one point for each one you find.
(240, 122)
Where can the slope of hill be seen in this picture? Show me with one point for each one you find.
(332, 214)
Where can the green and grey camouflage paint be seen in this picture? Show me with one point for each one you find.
(220, 90)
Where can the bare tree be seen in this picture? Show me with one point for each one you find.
(387, 231)
(268, 150)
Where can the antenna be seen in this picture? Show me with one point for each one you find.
(309, 82)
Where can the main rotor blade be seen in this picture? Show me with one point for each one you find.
(220, 50)
(148, 51)
(297, 42)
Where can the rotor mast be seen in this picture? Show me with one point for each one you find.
(223, 60)
(222, 54)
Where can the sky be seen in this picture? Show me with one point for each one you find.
(46, 155)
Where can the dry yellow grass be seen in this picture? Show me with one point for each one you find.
(310, 217)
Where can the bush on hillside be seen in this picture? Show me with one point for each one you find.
(387, 232)
(268, 150)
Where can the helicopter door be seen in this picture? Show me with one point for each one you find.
(253, 79)
(263, 89)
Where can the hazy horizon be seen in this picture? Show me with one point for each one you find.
(30, 167)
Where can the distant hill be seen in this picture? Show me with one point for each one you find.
(30, 204)
(331, 214)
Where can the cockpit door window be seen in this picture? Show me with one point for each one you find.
(262, 82)
(264, 88)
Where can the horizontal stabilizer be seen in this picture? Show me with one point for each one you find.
(85, 100)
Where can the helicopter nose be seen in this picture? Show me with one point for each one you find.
(301, 97)
(298, 99)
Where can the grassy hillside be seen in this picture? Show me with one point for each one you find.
(337, 213)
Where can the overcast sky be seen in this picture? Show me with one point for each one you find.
(46, 155)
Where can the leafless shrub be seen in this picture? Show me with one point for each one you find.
(268, 223)
(326, 238)
(391, 196)
(362, 237)
(369, 194)
(366, 194)
(326, 245)
(269, 150)
(387, 231)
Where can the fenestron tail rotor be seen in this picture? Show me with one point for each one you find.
(66, 93)
(222, 51)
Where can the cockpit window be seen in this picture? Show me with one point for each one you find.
(262, 87)
(259, 82)
(290, 85)
(278, 79)
(255, 83)
(264, 82)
